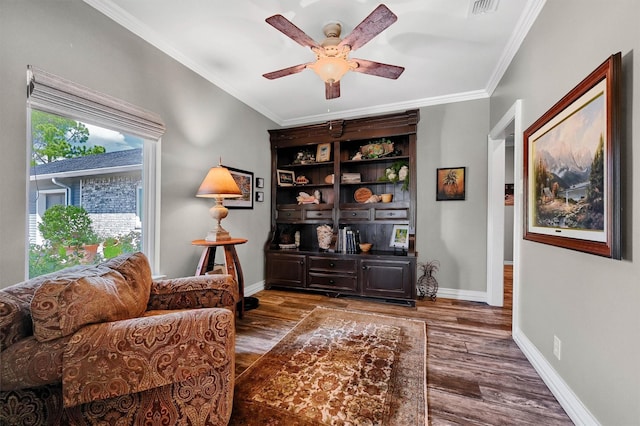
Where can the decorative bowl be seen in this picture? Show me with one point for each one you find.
(376, 150)
(365, 247)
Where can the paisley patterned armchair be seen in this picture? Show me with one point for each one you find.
(107, 344)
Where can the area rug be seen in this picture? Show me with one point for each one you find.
(338, 367)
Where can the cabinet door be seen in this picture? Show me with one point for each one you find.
(393, 279)
(286, 270)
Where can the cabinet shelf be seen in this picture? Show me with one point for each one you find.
(377, 160)
(305, 165)
(370, 182)
(306, 185)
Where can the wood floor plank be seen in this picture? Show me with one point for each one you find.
(476, 374)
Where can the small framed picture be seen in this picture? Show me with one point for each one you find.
(400, 236)
(259, 182)
(324, 152)
(451, 183)
(286, 178)
(259, 196)
(508, 194)
(244, 179)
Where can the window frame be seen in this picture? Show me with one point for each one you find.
(55, 95)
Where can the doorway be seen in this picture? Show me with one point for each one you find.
(497, 140)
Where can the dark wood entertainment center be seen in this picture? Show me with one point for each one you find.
(385, 272)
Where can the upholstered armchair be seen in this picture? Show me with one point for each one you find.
(106, 344)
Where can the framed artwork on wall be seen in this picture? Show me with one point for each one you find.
(508, 194)
(572, 167)
(451, 183)
(259, 182)
(244, 179)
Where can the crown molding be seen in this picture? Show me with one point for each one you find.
(528, 17)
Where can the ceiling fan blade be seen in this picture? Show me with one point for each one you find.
(287, 28)
(377, 21)
(378, 69)
(332, 90)
(285, 72)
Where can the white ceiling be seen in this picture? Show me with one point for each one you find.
(449, 54)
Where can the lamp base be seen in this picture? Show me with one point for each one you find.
(218, 235)
(251, 302)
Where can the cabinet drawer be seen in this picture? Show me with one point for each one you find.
(333, 282)
(318, 214)
(355, 214)
(332, 265)
(388, 214)
(285, 215)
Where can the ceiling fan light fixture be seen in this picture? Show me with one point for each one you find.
(331, 69)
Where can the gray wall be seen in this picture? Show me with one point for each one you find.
(591, 303)
(74, 41)
(454, 232)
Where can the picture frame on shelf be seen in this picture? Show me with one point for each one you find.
(259, 182)
(244, 179)
(451, 183)
(400, 237)
(286, 177)
(577, 208)
(323, 153)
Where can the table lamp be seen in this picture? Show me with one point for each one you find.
(218, 184)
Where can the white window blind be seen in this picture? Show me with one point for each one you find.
(50, 93)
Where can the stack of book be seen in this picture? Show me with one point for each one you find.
(348, 240)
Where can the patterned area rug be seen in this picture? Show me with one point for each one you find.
(338, 367)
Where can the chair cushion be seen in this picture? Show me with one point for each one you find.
(72, 299)
(15, 309)
(29, 363)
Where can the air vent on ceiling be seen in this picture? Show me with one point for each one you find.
(479, 7)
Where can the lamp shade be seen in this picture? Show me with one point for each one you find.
(219, 183)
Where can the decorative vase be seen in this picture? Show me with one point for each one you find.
(324, 236)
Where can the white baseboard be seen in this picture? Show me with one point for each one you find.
(571, 404)
(253, 288)
(445, 293)
(468, 295)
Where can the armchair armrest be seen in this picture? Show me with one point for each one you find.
(202, 291)
(124, 357)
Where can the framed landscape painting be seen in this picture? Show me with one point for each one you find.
(571, 168)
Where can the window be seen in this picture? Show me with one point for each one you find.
(96, 158)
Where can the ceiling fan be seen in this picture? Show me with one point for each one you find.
(332, 60)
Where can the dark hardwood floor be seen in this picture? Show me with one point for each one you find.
(476, 374)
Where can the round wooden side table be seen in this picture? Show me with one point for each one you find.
(231, 262)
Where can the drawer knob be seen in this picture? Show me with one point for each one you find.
(332, 282)
(354, 214)
(302, 262)
(364, 268)
(288, 214)
(332, 264)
